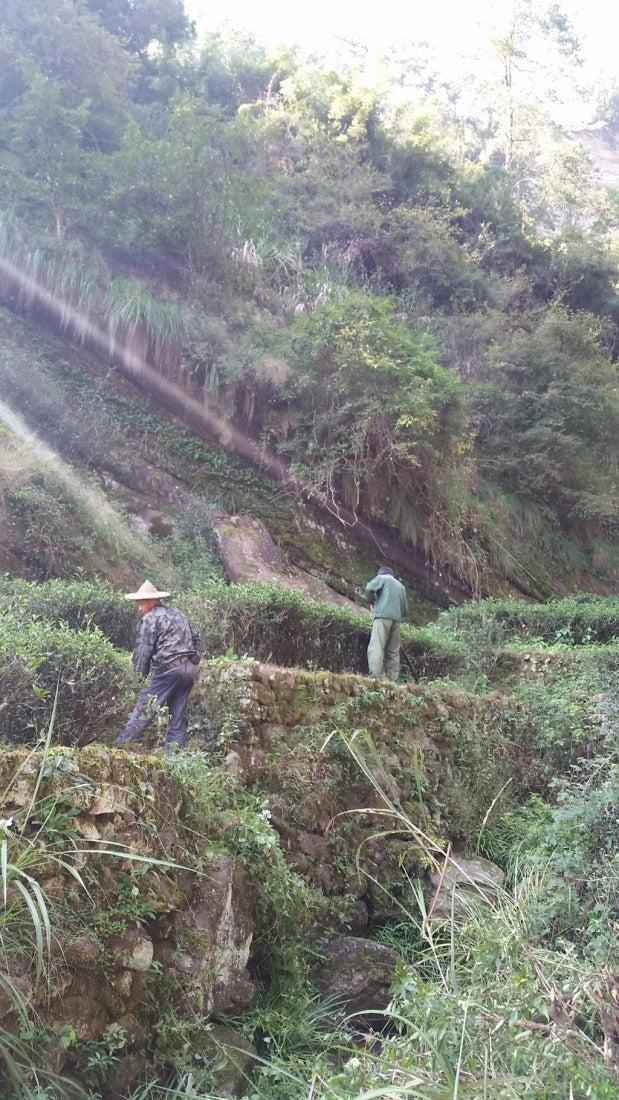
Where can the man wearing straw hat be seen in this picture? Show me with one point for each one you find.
(167, 647)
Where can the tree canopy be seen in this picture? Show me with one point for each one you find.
(439, 284)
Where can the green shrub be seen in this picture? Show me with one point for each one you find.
(578, 619)
(282, 626)
(38, 658)
(570, 842)
(79, 604)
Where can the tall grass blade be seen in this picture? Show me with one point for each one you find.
(45, 754)
(4, 867)
(461, 1051)
(40, 920)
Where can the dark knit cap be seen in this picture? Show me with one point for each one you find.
(384, 569)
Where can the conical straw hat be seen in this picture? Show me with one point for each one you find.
(146, 591)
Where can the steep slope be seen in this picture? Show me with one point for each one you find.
(98, 479)
(384, 310)
(317, 810)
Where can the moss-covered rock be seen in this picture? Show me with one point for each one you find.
(169, 885)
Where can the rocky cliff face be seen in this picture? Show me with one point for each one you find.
(136, 917)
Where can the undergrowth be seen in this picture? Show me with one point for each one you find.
(512, 997)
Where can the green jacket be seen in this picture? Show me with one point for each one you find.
(388, 596)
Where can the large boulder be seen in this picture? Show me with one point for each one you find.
(250, 555)
(463, 881)
(358, 973)
(233, 1059)
(208, 950)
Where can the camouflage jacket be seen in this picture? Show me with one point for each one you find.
(165, 638)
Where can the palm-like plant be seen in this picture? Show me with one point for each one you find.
(147, 322)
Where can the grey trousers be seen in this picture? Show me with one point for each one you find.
(384, 648)
(171, 687)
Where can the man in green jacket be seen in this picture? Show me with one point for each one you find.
(388, 597)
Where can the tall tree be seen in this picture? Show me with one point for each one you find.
(138, 23)
(64, 103)
(531, 47)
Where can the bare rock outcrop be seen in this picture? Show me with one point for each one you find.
(358, 973)
(249, 554)
(462, 881)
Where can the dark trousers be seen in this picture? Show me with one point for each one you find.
(171, 687)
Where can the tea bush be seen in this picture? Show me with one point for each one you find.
(45, 665)
(283, 627)
(579, 619)
(79, 604)
(258, 620)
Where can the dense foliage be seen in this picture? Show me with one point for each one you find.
(407, 304)
(514, 999)
(48, 668)
(403, 297)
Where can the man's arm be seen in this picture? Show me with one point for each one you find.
(372, 589)
(145, 643)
